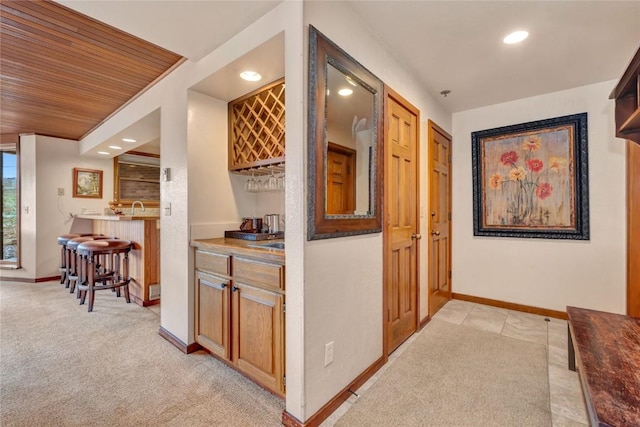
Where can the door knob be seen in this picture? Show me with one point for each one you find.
(416, 236)
(435, 233)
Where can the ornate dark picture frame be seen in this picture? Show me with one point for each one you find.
(531, 180)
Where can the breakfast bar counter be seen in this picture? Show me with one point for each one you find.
(144, 259)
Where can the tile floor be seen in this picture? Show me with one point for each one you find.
(567, 402)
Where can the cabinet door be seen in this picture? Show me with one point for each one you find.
(212, 314)
(258, 335)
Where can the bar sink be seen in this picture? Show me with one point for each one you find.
(270, 245)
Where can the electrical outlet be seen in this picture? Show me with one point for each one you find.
(328, 353)
(60, 191)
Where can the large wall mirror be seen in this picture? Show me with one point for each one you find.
(136, 177)
(345, 143)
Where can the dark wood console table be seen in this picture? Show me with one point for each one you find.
(606, 349)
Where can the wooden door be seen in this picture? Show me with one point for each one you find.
(401, 219)
(212, 316)
(633, 229)
(340, 179)
(439, 218)
(258, 335)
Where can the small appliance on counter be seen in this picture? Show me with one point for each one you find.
(252, 228)
(272, 223)
(251, 225)
(244, 235)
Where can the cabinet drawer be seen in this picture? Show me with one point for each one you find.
(213, 262)
(258, 272)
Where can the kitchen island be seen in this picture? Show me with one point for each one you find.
(144, 259)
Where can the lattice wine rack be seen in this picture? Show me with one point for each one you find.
(256, 128)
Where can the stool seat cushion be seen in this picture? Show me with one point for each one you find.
(104, 245)
(63, 239)
(73, 243)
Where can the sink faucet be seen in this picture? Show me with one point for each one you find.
(133, 207)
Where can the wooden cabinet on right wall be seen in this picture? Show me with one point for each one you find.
(627, 96)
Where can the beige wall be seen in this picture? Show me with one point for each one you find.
(343, 277)
(46, 164)
(171, 96)
(538, 272)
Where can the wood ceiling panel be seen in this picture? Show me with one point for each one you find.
(63, 73)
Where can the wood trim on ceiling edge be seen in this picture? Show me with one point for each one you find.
(333, 404)
(512, 306)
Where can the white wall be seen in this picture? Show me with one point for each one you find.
(343, 277)
(171, 95)
(537, 272)
(221, 197)
(46, 164)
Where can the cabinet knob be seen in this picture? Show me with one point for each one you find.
(435, 233)
(416, 236)
(233, 288)
(223, 285)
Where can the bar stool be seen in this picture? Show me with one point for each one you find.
(64, 255)
(73, 263)
(106, 263)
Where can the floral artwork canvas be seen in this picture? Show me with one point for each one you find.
(530, 179)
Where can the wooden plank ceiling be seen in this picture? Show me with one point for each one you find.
(63, 73)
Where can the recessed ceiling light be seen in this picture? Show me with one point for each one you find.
(115, 147)
(250, 76)
(104, 153)
(345, 92)
(128, 140)
(516, 37)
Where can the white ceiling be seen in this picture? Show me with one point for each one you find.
(457, 45)
(267, 59)
(454, 45)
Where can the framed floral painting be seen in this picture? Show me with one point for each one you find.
(531, 180)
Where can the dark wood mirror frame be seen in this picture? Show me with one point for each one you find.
(321, 225)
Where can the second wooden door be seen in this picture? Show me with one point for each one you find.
(401, 219)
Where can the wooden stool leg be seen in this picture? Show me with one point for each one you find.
(68, 263)
(63, 264)
(83, 277)
(72, 268)
(91, 271)
(125, 277)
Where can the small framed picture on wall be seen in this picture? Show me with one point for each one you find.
(87, 183)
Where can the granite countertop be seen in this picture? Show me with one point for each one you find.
(608, 355)
(229, 246)
(119, 217)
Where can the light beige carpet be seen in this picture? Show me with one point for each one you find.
(457, 376)
(62, 366)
